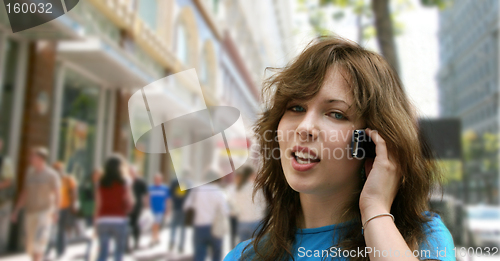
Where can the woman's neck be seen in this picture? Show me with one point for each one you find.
(320, 210)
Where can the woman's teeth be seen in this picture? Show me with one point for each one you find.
(300, 161)
(305, 158)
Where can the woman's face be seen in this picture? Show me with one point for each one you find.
(315, 137)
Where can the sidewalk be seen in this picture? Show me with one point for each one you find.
(144, 253)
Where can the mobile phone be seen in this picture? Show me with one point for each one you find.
(362, 145)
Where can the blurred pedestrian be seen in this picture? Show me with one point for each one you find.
(250, 210)
(7, 189)
(67, 209)
(159, 193)
(87, 205)
(207, 201)
(114, 201)
(87, 196)
(140, 190)
(40, 198)
(233, 206)
(6, 173)
(177, 223)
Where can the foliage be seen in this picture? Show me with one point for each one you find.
(441, 4)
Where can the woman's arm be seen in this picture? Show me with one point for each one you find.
(376, 198)
(382, 234)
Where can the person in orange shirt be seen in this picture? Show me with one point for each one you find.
(67, 208)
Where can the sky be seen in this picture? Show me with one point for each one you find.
(417, 49)
(418, 54)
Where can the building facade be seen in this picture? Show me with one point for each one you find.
(468, 86)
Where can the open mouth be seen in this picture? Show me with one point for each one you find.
(305, 157)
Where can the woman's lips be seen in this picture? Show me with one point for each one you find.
(302, 167)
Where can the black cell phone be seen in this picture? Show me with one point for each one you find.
(362, 145)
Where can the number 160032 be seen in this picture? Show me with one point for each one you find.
(30, 8)
(471, 251)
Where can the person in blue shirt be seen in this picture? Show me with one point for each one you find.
(159, 194)
(322, 203)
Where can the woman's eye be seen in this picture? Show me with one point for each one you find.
(297, 108)
(337, 115)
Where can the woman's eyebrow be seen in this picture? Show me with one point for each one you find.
(335, 100)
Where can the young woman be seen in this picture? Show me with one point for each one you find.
(114, 201)
(322, 203)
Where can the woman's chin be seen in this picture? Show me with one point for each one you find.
(314, 183)
(303, 184)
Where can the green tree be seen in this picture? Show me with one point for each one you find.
(480, 154)
(384, 22)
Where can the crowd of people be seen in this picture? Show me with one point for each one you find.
(120, 206)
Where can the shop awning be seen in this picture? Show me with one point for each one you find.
(105, 61)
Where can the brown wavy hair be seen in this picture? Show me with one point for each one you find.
(379, 98)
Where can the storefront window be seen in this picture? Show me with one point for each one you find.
(78, 125)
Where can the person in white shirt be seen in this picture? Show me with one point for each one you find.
(233, 215)
(250, 211)
(207, 201)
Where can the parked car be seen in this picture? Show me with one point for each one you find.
(482, 226)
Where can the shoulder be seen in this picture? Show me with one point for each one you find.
(52, 174)
(435, 226)
(50, 171)
(235, 254)
(72, 180)
(438, 238)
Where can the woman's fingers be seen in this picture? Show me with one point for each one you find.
(381, 150)
(380, 146)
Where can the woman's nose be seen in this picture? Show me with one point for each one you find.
(307, 129)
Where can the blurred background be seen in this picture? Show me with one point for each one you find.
(65, 85)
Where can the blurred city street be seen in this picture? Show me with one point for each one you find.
(76, 251)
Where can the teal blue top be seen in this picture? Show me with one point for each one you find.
(316, 244)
